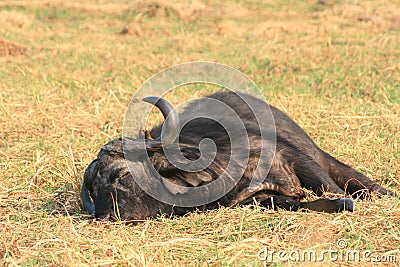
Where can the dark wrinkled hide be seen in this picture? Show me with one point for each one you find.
(298, 163)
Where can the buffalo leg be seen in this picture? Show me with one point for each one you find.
(321, 205)
(354, 182)
(313, 177)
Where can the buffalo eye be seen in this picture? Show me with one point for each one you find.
(122, 182)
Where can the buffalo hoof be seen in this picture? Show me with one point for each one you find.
(330, 205)
(345, 204)
(104, 217)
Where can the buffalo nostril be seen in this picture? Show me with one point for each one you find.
(104, 217)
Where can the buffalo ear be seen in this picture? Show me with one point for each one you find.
(180, 184)
(195, 179)
(168, 137)
(171, 125)
(127, 144)
(175, 186)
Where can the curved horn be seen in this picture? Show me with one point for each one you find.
(171, 124)
(87, 200)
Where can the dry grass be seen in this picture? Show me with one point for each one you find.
(9, 49)
(333, 66)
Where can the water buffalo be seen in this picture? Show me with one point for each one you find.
(110, 189)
